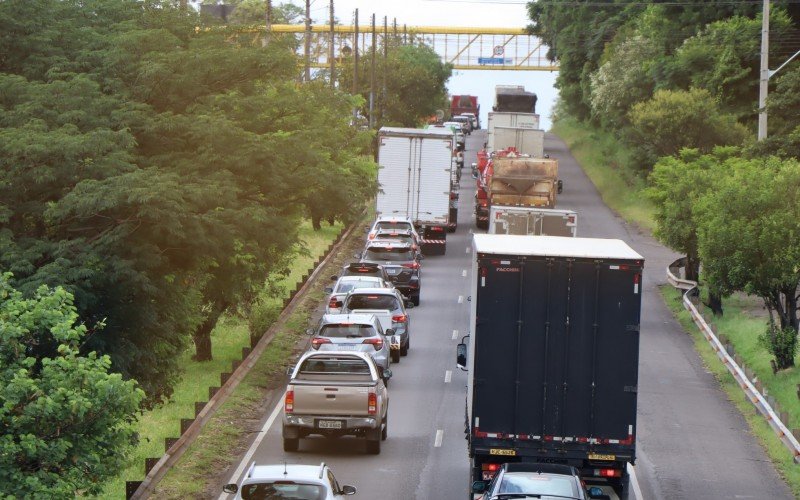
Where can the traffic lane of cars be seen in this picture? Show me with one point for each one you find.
(682, 411)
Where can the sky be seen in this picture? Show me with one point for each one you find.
(478, 13)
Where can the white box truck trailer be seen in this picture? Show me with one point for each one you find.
(526, 141)
(415, 169)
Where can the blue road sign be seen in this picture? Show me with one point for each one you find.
(495, 60)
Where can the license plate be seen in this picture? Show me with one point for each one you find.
(329, 424)
(598, 456)
(345, 347)
(502, 451)
(391, 271)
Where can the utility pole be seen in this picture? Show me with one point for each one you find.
(355, 55)
(385, 65)
(307, 73)
(763, 86)
(332, 54)
(268, 23)
(372, 120)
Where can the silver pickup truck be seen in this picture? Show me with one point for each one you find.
(335, 394)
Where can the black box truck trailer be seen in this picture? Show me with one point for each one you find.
(553, 355)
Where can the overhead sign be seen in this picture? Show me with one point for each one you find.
(495, 60)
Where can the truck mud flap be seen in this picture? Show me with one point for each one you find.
(434, 247)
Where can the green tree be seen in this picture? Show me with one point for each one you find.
(748, 241)
(67, 421)
(673, 120)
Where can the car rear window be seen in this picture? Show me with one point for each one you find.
(347, 331)
(387, 224)
(324, 366)
(346, 286)
(283, 489)
(405, 237)
(373, 302)
(389, 254)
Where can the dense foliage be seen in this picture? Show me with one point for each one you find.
(158, 172)
(664, 77)
(67, 421)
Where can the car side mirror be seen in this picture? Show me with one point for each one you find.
(328, 289)
(409, 304)
(560, 186)
(421, 257)
(231, 488)
(357, 255)
(479, 486)
(348, 490)
(595, 492)
(334, 278)
(387, 374)
(461, 356)
(289, 370)
(389, 332)
(309, 331)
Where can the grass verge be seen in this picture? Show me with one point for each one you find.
(605, 161)
(206, 464)
(230, 335)
(742, 330)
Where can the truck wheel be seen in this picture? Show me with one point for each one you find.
(623, 487)
(415, 299)
(385, 430)
(290, 444)
(396, 356)
(374, 446)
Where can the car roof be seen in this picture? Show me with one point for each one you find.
(311, 473)
(393, 230)
(393, 218)
(360, 277)
(355, 318)
(373, 291)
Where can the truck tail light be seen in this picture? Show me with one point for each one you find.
(288, 402)
(437, 228)
(411, 265)
(398, 318)
(372, 403)
(490, 467)
(608, 472)
(376, 343)
(316, 342)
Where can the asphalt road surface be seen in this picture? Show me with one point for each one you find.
(692, 443)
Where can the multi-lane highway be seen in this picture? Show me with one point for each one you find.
(691, 441)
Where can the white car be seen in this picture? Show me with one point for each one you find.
(346, 283)
(300, 482)
(391, 222)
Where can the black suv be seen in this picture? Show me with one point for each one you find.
(401, 263)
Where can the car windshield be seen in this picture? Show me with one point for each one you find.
(389, 254)
(347, 331)
(346, 286)
(390, 224)
(373, 302)
(538, 484)
(279, 490)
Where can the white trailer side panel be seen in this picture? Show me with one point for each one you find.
(415, 168)
(526, 141)
(514, 120)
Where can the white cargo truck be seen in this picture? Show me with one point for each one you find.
(415, 169)
(526, 141)
(532, 221)
(510, 119)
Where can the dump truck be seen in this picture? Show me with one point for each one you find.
(552, 358)
(522, 181)
(514, 98)
(414, 181)
(532, 221)
(464, 104)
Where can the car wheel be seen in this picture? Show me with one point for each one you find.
(385, 430)
(415, 299)
(395, 356)
(374, 446)
(404, 349)
(291, 444)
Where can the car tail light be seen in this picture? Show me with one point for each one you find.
(398, 318)
(376, 343)
(371, 236)
(288, 402)
(411, 265)
(316, 342)
(372, 403)
(334, 303)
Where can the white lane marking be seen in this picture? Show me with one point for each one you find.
(464, 273)
(460, 299)
(455, 334)
(249, 455)
(437, 443)
(448, 375)
(634, 482)
(469, 249)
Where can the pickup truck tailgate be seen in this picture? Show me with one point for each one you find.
(330, 399)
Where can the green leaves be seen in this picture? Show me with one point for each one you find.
(66, 420)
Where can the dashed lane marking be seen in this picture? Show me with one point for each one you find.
(464, 273)
(437, 442)
(455, 334)
(448, 375)
(460, 299)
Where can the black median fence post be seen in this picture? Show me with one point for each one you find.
(130, 488)
(185, 424)
(168, 442)
(149, 463)
(198, 407)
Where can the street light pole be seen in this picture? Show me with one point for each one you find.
(763, 86)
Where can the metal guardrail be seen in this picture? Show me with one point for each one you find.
(759, 401)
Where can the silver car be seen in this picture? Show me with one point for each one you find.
(346, 283)
(353, 332)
